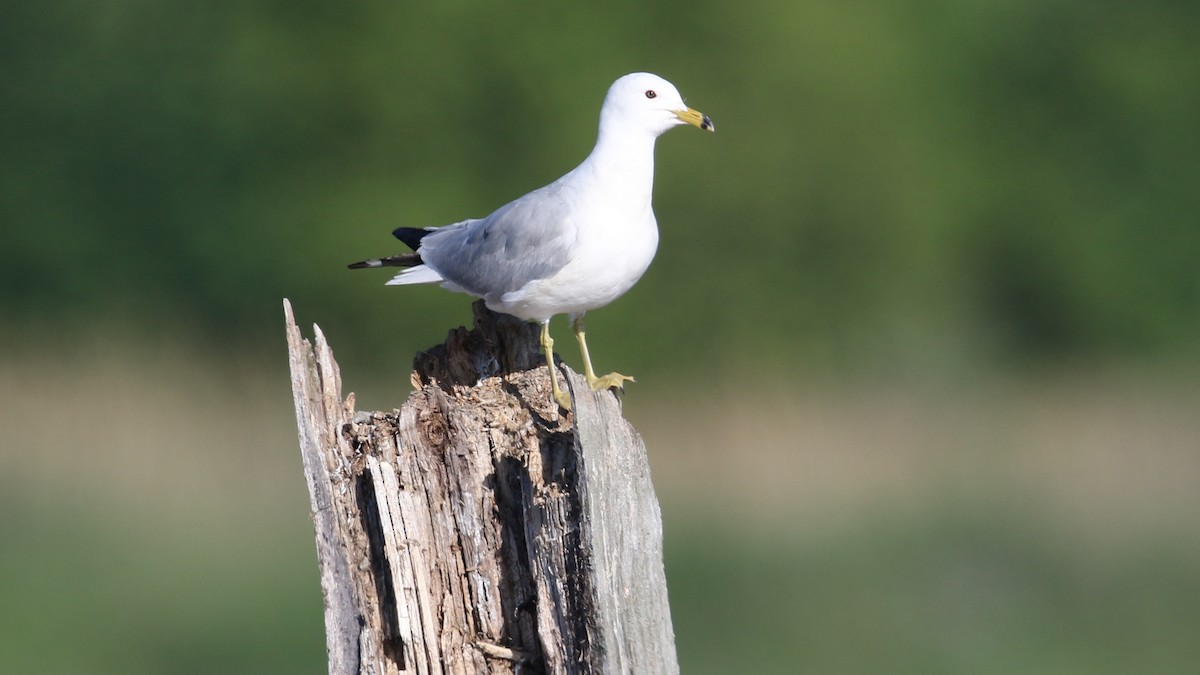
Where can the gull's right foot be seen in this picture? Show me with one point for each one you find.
(609, 381)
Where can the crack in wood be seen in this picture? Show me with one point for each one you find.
(381, 571)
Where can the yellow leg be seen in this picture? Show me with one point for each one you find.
(563, 398)
(596, 383)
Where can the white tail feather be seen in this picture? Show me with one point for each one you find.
(421, 274)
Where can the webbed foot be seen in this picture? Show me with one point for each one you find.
(609, 381)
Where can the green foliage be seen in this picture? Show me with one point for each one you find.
(891, 182)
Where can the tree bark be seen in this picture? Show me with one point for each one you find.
(480, 529)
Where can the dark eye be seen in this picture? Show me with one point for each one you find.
(650, 93)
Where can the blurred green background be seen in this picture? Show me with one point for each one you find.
(916, 361)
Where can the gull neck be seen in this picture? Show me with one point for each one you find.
(624, 157)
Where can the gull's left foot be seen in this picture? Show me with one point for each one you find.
(609, 381)
(562, 398)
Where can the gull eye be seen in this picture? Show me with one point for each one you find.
(650, 93)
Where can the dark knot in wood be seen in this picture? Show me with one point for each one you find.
(498, 345)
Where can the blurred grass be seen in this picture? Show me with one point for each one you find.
(960, 586)
(93, 588)
(154, 519)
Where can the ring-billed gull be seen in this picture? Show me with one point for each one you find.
(574, 245)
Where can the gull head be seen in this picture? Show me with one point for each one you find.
(648, 103)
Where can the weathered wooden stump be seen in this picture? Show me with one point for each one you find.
(479, 529)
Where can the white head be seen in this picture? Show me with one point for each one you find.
(646, 102)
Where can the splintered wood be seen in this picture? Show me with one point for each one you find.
(479, 528)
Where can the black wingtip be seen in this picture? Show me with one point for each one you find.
(402, 260)
(411, 236)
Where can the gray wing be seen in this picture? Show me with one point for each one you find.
(527, 239)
